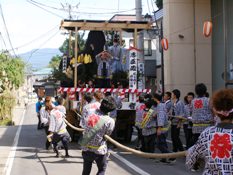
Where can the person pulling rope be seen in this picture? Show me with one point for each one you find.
(133, 151)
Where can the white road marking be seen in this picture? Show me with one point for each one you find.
(129, 164)
(11, 156)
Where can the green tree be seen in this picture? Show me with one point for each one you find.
(110, 37)
(7, 102)
(55, 61)
(14, 68)
(11, 75)
(159, 4)
(65, 46)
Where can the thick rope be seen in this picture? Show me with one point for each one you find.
(73, 127)
(133, 151)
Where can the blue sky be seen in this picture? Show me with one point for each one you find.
(26, 22)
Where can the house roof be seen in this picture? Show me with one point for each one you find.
(129, 17)
(123, 17)
(44, 71)
(158, 15)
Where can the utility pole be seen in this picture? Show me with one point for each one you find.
(162, 60)
(140, 45)
(69, 8)
(224, 43)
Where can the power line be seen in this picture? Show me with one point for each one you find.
(95, 8)
(123, 11)
(3, 41)
(68, 8)
(8, 36)
(80, 12)
(45, 9)
(39, 3)
(54, 2)
(37, 38)
(41, 46)
(38, 53)
(43, 52)
(41, 56)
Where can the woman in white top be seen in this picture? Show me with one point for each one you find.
(44, 117)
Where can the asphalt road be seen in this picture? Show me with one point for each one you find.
(29, 157)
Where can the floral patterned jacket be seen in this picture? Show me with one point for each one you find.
(215, 146)
(201, 114)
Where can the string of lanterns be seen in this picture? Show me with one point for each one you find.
(207, 31)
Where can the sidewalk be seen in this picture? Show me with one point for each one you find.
(7, 135)
(17, 114)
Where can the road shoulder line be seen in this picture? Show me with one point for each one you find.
(129, 164)
(11, 156)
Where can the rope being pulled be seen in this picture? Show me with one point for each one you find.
(133, 151)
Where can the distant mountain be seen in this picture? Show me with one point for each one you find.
(39, 58)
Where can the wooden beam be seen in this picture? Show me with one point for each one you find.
(121, 38)
(105, 25)
(70, 44)
(94, 28)
(76, 57)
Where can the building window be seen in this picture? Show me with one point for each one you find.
(147, 46)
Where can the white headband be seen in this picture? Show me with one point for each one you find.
(224, 113)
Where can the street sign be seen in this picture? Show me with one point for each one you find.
(133, 69)
(133, 63)
(64, 63)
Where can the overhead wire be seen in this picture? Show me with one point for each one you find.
(98, 13)
(41, 53)
(39, 3)
(8, 35)
(3, 41)
(41, 46)
(54, 2)
(95, 8)
(80, 12)
(37, 38)
(45, 9)
(44, 54)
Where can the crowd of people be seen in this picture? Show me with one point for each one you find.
(97, 113)
(50, 118)
(156, 115)
(206, 122)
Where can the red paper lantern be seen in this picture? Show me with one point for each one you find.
(164, 43)
(207, 28)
